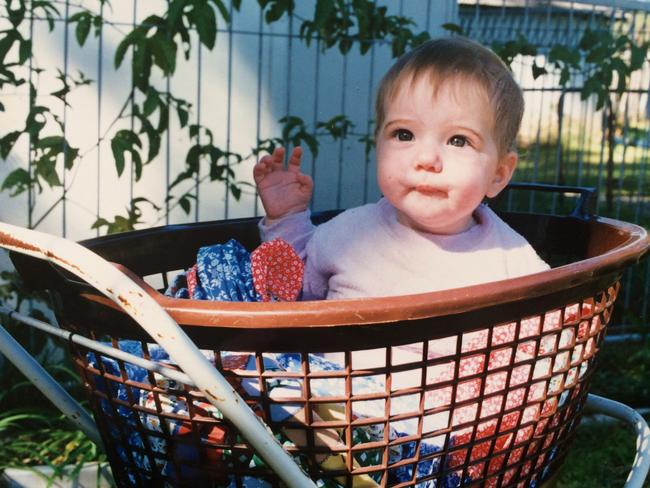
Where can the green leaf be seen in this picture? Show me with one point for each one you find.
(153, 136)
(7, 143)
(322, 13)
(100, 222)
(50, 142)
(124, 141)
(164, 53)
(183, 116)
(345, 45)
(192, 160)
(141, 65)
(84, 21)
(637, 56)
(290, 123)
(46, 169)
(538, 71)
(206, 23)
(137, 164)
(182, 176)
(24, 51)
(589, 38)
(185, 204)
(151, 102)
(565, 75)
(235, 190)
(7, 42)
(17, 15)
(174, 13)
(18, 181)
(563, 55)
(36, 120)
(598, 54)
(134, 37)
(215, 154)
(163, 119)
(278, 9)
(71, 154)
(453, 28)
(224, 11)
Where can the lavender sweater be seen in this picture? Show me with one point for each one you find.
(366, 252)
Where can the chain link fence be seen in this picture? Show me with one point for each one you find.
(259, 73)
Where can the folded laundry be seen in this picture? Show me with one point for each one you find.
(228, 272)
(168, 431)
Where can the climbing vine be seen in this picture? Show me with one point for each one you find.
(153, 47)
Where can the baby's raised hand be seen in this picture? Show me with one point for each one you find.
(283, 191)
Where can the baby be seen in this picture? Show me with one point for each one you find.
(447, 115)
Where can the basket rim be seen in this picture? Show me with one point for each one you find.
(633, 244)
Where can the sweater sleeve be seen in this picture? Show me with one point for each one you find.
(297, 230)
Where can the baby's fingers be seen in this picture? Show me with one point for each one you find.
(277, 158)
(294, 160)
(305, 181)
(262, 168)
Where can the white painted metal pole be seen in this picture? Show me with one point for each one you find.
(165, 331)
(611, 408)
(35, 373)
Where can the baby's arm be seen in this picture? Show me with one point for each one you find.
(282, 191)
(297, 230)
(285, 195)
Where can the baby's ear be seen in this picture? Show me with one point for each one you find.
(503, 174)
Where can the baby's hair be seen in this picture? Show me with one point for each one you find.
(447, 58)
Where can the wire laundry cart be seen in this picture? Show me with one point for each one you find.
(479, 386)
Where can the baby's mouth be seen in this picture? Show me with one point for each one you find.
(429, 190)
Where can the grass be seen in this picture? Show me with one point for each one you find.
(583, 166)
(602, 453)
(38, 437)
(32, 431)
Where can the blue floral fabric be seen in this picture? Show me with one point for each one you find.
(223, 273)
(130, 445)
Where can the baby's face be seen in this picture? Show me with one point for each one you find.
(437, 156)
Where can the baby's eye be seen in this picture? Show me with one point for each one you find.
(403, 135)
(458, 141)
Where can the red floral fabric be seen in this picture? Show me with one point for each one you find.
(277, 271)
(192, 280)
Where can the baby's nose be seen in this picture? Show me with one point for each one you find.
(429, 161)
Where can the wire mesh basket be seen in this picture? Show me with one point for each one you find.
(482, 385)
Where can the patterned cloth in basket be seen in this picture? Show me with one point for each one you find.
(176, 460)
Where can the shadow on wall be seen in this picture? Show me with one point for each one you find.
(256, 74)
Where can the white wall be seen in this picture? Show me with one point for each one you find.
(293, 78)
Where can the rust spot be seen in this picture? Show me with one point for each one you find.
(56, 258)
(13, 242)
(212, 395)
(109, 291)
(158, 334)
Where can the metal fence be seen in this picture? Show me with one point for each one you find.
(564, 138)
(259, 73)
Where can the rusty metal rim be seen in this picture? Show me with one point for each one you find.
(333, 313)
